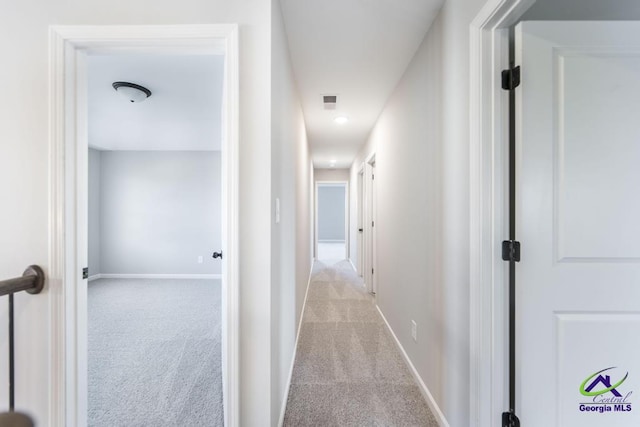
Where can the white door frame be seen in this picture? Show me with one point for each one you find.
(369, 231)
(68, 198)
(489, 104)
(360, 220)
(346, 213)
(374, 227)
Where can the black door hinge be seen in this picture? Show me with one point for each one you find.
(372, 271)
(509, 419)
(511, 250)
(511, 78)
(373, 224)
(373, 177)
(85, 273)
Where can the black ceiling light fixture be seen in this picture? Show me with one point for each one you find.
(132, 91)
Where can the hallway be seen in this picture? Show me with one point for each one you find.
(348, 370)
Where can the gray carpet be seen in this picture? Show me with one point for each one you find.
(348, 370)
(154, 353)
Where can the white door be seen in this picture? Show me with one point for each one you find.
(578, 218)
(360, 213)
(374, 251)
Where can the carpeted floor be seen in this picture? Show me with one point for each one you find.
(348, 370)
(154, 353)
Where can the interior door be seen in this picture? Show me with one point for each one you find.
(360, 213)
(578, 219)
(374, 250)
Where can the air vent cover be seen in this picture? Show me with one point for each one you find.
(330, 102)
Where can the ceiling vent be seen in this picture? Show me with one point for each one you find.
(330, 102)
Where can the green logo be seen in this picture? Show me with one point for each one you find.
(605, 381)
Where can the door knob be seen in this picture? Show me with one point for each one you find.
(217, 254)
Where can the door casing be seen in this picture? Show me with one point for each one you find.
(488, 171)
(68, 197)
(369, 234)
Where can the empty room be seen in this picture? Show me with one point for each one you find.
(154, 297)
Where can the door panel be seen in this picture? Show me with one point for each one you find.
(598, 108)
(578, 211)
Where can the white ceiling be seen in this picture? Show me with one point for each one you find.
(357, 49)
(183, 112)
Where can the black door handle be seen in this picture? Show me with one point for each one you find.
(360, 230)
(217, 254)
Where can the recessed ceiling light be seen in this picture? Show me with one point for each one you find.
(132, 91)
(341, 120)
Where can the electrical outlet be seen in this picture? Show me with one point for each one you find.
(414, 330)
(200, 259)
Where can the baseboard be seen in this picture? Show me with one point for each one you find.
(159, 276)
(352, 265)
(95, 277)
(283, 409)
(332, 241)
(437, 413)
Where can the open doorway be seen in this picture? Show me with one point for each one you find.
(149, 185)
(154, 193)
(331, 221)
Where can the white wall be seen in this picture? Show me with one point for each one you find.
(94, 213)
(159, 211)
(291, 175)
(24, 136)
(331, 175)
(421, 141)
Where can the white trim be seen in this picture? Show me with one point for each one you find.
(283, 408)
(68, 165)
(435, 409)
(488, 201)
(332, 241)
(369, 232)
(353, 266)
(95, 277)
(159, 276)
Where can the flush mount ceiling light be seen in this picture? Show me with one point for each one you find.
(341, 120)
(132, 91)
(332, 164)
